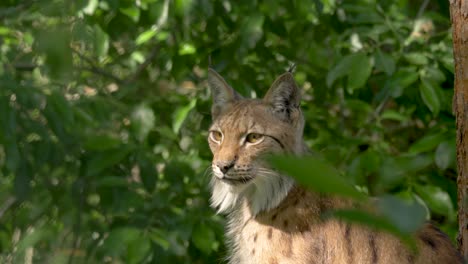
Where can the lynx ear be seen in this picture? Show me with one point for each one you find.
(223, 94)
(284, 96)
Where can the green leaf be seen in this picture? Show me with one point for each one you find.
(119, 239)
(252, 29)
(427, 143)
(394, 115)
(181, 114)
(138, 56)
(395, 171)
(148, 174)
(142, 121)
(448, 63)
(101, 142)
(160, 237)
(316, 174)
(42, 233)
(55, 44)
(187, 49)
(91, 7)
(373, 221)
(384, 62)
(362, 217)
(137, 250)
(434, 75)
(203, 238)
(4, 30)
(437, 199)
(429, 95)
(101, 41)
(445, 154)
(407, 216)
(416, 58)
(357, 67)
(104, 160)
(403, 78)
(132, 12)
(145, 36)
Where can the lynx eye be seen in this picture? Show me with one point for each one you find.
(216, 136)
(254, 138)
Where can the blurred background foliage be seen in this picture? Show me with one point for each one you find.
(104, 110)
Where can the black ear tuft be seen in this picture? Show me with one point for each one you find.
(223, 95)
(284, 95)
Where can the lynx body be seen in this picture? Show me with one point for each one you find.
(270, 218)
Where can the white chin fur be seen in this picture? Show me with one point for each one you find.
(263, 193)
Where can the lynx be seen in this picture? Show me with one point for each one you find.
(273, 220)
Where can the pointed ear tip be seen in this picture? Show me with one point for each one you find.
(287, 76)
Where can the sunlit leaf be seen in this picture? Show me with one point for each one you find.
(91, 7)
(132, 12)
(187, 49)
(145, 36)
(142, 121)
(181, 114)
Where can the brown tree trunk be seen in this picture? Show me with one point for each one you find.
(459, 15)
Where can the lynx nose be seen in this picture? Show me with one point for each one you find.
(224, 166)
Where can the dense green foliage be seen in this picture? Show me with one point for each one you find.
(104, 111)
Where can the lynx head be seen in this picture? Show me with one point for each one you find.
(243, 130)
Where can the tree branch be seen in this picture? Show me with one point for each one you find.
(95, 69)
(145, 64)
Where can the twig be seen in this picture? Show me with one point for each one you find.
(24, 66)
(102, 72)
(95, 69)
(145, 64)
(422, 8)
(77, 229)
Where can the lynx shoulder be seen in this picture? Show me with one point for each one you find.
(270, 218)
